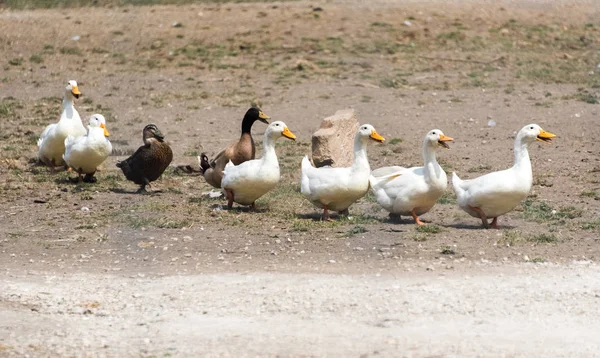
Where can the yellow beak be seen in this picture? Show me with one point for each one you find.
(444, 138)
(75, 91)
(262, 115)
(376, 136)
(106, 134)
(545, 136)
(288, 134)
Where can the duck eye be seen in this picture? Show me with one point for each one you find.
(530, 127)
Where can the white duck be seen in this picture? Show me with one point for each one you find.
(85, 153)
(338, 188)
(417, 189)
(497, 193)
(52, 140)
(248, 181)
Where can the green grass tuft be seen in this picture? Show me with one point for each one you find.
(429, 229)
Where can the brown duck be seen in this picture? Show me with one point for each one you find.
(238, 152)
(150, 160)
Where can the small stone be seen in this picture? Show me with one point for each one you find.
(84, 208)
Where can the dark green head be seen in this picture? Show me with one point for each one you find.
(252, 115)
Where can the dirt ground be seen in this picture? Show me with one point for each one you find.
(97, 270)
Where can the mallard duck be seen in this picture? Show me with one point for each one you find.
(337, 188)
(252, 179)
(85, 153)
(416, 189)
(150, 160)
(51, 145)
(497, 193)
(238, 152)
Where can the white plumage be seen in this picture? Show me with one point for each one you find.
(248, 181)
(414, 191)
(51, 144)
(85, 153)
(338, 188)
(497, 193)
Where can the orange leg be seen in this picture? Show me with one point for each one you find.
(417, 220)
(482, 216)
(229, 194)
(495, 223)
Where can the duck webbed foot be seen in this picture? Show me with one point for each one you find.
(494, 224)
(325, 216)
(417, 220)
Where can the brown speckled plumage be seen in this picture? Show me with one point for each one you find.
(150, 160)
(238, 152)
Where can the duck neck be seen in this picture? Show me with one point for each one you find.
(269, 148)
(67, 104)
(431, 167)
(361, 160)
(247, 126)
(522, 161)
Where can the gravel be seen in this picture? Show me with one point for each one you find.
(498, 311)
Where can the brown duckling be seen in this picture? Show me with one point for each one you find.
(150, 160)
(238, 152)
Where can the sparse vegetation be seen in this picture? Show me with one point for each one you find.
(429, 229)
(542, 212)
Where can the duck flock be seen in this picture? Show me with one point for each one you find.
(401, 191)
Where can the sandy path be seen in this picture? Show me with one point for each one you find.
(521, 311)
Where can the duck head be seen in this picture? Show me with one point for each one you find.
(72, 90)
(436, 138)
(279, 129)
(251, 116)
(533, 132)
(98, 120)
(367, 131)
(151, 132)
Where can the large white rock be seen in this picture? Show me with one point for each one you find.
(333, 142)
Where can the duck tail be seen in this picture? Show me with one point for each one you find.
(377, 182)
(204, 163)
(457, 183)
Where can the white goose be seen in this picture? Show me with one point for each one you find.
(85, 153)
(417, 189)
(338, 188)
(248, 181)
(52, 140)
(497, 193)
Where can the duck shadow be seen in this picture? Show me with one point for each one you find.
(125, 191)
(238, 209)
(477, 227)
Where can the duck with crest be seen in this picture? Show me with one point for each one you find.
(85, 153)
(250, 180)
(51, 145)
(496, 193)
(150, 160)
(238, 152)
(417, 189)
(337, 188)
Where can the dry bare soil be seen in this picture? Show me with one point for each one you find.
(97, 270)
